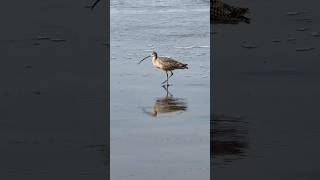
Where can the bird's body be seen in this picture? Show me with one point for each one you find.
(166, 64)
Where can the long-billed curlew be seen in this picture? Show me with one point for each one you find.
(166, 64)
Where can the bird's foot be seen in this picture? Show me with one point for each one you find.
(166, 85)
(166, 81)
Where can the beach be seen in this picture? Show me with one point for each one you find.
(266, 93)
(158, 133)
(53, 115)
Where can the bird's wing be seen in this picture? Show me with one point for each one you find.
(168, 62)
(169, 59)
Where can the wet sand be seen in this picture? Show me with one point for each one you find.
(157, 134)
(268, 73)
(53, 105)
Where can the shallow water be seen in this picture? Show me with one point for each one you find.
(159, 133)
(274, 87)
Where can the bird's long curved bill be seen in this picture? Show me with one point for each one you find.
(143, 59)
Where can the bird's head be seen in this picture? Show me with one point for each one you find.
(153, 54)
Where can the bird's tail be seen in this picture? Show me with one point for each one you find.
(185, 66)
(181, 66)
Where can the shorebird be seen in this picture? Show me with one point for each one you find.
(166, 64)
(222, 13)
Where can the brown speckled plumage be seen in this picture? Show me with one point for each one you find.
(169, 64)
(166, 64)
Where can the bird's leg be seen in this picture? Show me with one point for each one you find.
(167, 78)
(166, 88)
(168, 92)
(171, 74)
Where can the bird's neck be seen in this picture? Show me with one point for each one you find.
(154, 58)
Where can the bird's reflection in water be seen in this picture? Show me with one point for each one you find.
(228, 139)
(168, 104)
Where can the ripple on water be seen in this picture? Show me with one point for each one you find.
(229, 140)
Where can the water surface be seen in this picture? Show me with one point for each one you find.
(274, 86)
(159, 133)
